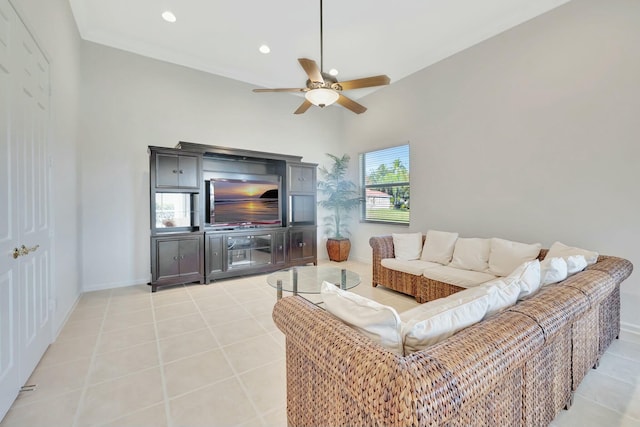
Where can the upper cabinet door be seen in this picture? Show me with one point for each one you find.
(177, 171)
(188, 172)
(302, 178)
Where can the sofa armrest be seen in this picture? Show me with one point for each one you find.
(618, 268)
(382, 247)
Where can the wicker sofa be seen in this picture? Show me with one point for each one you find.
(519, 367)
(417, 285)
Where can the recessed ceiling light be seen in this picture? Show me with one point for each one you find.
(168, 16)
(264, 49)
(333, 72)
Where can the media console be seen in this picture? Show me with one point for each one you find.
(218, 212)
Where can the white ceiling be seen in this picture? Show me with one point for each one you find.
(361, 37)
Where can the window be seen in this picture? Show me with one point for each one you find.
(384, 176)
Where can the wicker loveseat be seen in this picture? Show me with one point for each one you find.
(417, 285)
(519, 367)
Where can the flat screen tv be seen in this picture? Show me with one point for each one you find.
(244, 202)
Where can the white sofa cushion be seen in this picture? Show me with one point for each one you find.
(438, 246)
(553, 270)
(439, 305)
(503, 293)
(456, 276)
(407, 246)
(471, 253)
(379, 322)
(561, 250)
(528, 276)
(575, 263)
(437, 320)
(415, 267)
(506, 255)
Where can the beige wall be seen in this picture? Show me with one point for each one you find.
(130, 102)
(532, 135)
(54, 28)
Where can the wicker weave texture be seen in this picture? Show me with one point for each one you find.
(422, 288)
(618, 268)
(609, 323)
(547, 380)
(553, 307)
(585, 342)
(429, 289)
(516, 368)
(398, 281)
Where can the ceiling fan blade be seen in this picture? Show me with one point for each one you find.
(293, 89)
(364, 82)
(351, 104)
(303, 107)
(312, 70)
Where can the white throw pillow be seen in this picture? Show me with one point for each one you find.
(506, 255)
(438, 246)
(407, 246)
(575, 263)
(433, 325)
(528, 276)
(553, 270)
(503, 293)
(561, 250)
(471, 253)
(379, 322)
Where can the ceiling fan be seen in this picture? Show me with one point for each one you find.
(323, 89)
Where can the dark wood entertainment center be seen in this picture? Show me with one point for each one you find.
(188, 241)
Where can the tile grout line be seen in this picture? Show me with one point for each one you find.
(226, 357)
(603, 406)
(94, 354)
(163, 380)
(590, 398)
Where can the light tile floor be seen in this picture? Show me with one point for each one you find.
(211, 356)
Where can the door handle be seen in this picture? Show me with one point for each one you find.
(23, 251)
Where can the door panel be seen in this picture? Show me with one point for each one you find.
(31, 136)
(189, 256)
(166, 170)
(9, 375)
(9, 267)
(25, 282)
(214, 254)
(168, 258)
(188, 172)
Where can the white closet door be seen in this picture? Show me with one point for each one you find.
(25, 284)
(9, 268)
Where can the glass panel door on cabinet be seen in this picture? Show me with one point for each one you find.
(248, 250)
(174, 210)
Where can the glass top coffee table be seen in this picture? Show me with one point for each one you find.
(308, 279)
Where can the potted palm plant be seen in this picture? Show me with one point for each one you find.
(340, 197)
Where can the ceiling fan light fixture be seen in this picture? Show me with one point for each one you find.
(322, 97)
(168, 16)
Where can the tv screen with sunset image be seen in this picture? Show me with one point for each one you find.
(235, 201)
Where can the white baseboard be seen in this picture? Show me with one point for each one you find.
(57, 331)
(112, 285)
(629, 332)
